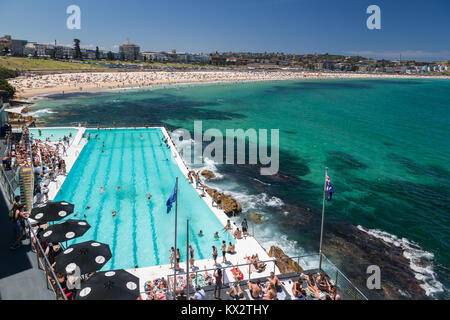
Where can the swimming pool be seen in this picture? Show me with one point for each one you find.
(141, 233)
(54, 134)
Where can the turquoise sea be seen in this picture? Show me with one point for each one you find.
(386, 144)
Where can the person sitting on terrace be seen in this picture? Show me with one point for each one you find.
(270, 292)
(228, 226)
(298, 291)
(207, 279)
(255, 289)
(236, 292)
(238, 234)
(322, 282)
(199, 294)
(231, 248)
(260, 266)
(275, 281)
(312, 286)
(333, 293)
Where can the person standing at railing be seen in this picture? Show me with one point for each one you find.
(218, 283)
(17, 220)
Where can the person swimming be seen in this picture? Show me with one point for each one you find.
(149, 196)
(118, 188)
(114, 212)
(87, 207)
(216, 235)
(102, 189)
(200, 234)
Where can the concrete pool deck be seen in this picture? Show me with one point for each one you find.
(246, 246)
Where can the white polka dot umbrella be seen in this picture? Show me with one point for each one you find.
(64, 231)
(110, 285)
(86, 256)
(51, 211)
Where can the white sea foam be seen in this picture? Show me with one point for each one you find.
(39, 113)
(256, 201)
(416, 256)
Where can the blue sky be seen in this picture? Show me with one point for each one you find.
(416, 29)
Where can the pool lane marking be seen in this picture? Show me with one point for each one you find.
(133, 204)
(150, 205)
(88, 196)
(103, 197)
(117, 208)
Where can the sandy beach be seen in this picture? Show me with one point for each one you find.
(35, 85)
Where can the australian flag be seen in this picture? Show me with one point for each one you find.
(172, 198)
(329, 188)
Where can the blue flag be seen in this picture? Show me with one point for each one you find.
(172, 198)
(329, 188)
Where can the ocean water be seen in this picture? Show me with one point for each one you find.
(141, 233)
(385, 142)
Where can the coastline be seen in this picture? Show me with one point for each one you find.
(39, 86)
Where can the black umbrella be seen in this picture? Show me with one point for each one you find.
(51, 211)
(110, 285)
(63, 231)
(88, 256)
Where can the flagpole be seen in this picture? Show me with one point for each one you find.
(323, 216)
(175, 266)
(187, 258)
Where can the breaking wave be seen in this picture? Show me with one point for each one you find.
(39, 113)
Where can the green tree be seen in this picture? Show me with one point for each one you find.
(97, 53)
(77, 49)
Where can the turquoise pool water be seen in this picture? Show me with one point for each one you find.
(53, 134)
(142, 232)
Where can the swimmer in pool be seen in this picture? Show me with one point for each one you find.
(216, 235)
(149, 196)
(118, 188)
(87, 207)
(114, 212)
(200, 234)
(102, 189)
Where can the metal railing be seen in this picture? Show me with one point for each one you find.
(42, 262)
(346, 288)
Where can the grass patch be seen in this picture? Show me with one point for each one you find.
(25, 64)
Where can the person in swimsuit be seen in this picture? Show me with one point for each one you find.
(191, 253)
(178, 257)
(172, 257)
(275, 281)
(218, 284)
(271, 293)
(228, 226)
(224, 251)
(236, 292)
(114, 213)
(255, 289)
(200, 234)
(231, 249)
(149, 196)
(297, 289)
(214, 254)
